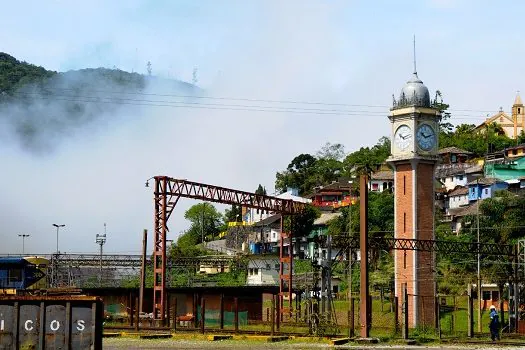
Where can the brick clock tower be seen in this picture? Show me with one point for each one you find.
(415, 130)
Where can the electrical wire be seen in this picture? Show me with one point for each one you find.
(253, 99)
(221, 106)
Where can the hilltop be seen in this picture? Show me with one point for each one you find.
(38, 106)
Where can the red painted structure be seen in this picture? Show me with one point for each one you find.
(167, 193)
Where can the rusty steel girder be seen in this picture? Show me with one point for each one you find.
(440, 246)
(167, 193)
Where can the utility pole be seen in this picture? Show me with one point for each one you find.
(100, 240)
(365, 315)
(23, 242)
(202, 223)
(479, 260)
(143, 271)
(350, 257)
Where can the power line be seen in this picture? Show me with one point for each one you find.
(215, 106)
(257, 100)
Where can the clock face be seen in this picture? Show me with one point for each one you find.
(403, 137)
(426, 137)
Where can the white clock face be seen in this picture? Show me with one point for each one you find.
(426, 137)
(403, 137)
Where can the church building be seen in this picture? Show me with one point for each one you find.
(512, 125)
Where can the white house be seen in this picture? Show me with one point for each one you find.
(458, 197)
(457, 174)
(251, 215)
(263, 270)
(381, 181)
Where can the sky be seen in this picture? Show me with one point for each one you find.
(340, 55)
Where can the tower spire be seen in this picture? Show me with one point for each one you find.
(415, 70)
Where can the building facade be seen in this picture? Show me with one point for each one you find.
(512, 125)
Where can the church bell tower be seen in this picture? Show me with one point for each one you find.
(415, 130)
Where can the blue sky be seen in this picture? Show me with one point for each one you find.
(350, 52)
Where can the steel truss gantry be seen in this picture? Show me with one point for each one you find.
(428, 246)
(167, 193)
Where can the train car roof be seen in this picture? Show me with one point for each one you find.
(12, 260)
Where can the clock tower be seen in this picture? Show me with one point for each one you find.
(415, 130)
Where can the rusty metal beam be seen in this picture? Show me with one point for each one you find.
(444, 247)
(167, 193)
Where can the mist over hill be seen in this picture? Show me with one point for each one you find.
(40, 108)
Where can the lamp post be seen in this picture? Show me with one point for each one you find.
(23, 242)
(58, 227)
(100, 240)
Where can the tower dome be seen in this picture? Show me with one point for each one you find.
(414, 93)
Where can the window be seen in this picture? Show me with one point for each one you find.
(495, 295)
(375, 186)
(486, 191)
(460, 177)
(519, 110)
(514, 151)
(15, 275)
(487, 294)
(453, 158)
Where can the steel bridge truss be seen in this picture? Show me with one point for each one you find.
(167, 193)
(489, 249)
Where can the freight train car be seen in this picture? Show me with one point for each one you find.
(19, 274)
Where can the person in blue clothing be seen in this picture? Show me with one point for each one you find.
(494, 323)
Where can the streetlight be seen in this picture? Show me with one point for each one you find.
(58, 227)
(147, 181)
(23, 242)
(100, 240)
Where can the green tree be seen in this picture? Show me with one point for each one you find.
(205, 221)
(367, 158)
(300, 174)
(302, 223)
(331, 151)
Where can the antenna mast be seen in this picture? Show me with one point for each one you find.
(415, 70)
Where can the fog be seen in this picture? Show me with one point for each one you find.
(91, 169)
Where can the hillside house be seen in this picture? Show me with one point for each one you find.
(320, 228)
(335, 195)
(458, 197)
(485, 187)
(505, 168)
(457, 174)
(263, 270)
(251, 215)
(381, 181)
(454, 155)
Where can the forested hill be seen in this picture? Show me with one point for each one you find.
(15, 74)
(39, 107)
